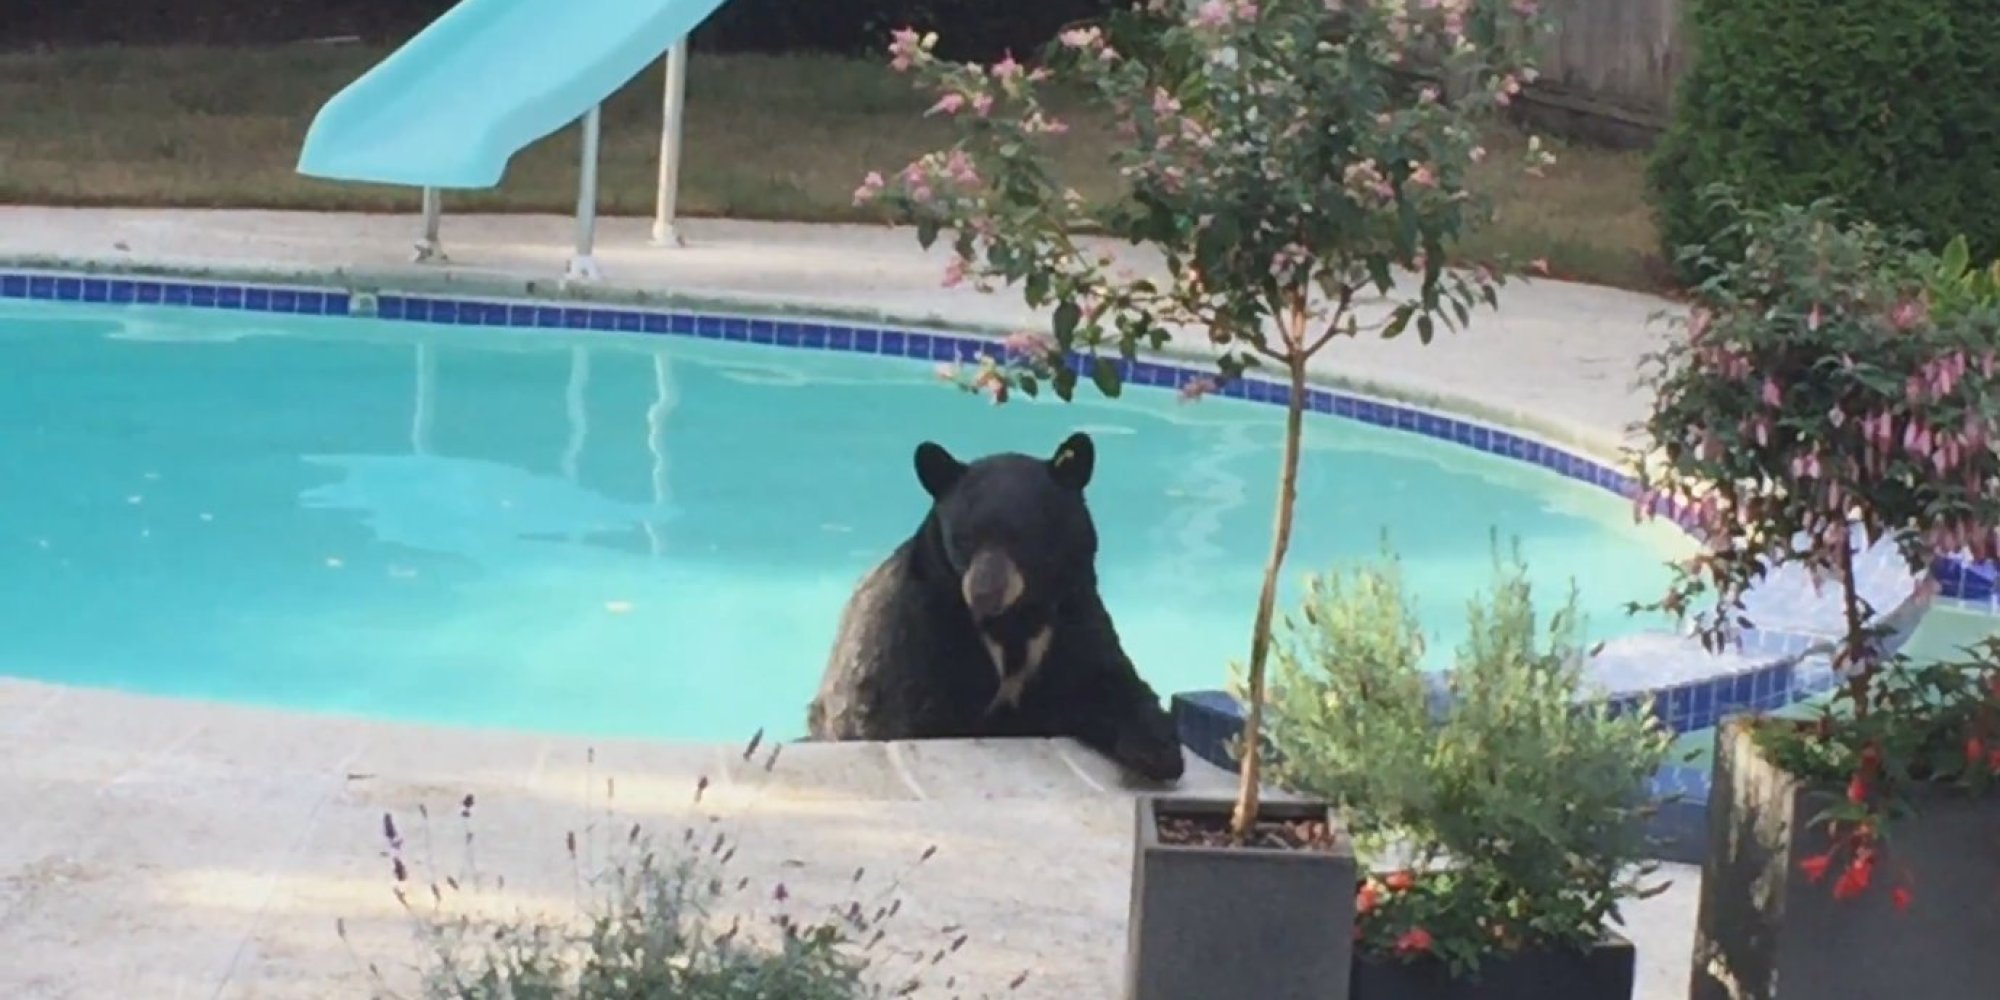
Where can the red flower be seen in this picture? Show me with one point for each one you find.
(1815, 866)
(1975, 751)
(1399, 881)
(1414, 941)
(1366, 899)
(1993, 760)
(1900, 898)
(1854, 880)
(1857, 790)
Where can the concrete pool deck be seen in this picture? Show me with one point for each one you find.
(167, 848)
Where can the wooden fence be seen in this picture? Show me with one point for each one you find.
(1610, 68)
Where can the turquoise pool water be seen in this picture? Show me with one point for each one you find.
(633, 536)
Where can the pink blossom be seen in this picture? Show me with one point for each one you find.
(1698, 321)
(1195, 388)
(1285, 264)
(982, 104)
(1421, 175)
(1526, 8)
(954, 272)
(1037, 123)
(1028, 343)
(949, 104)
(1813, 317)
(904, 47)
(947, 371)
(870, 189)
(1478, 153)
(1772, 395)
(958, 166)
(1908, 313)
(1007, 70)
(1082, 38)
(1212, 14)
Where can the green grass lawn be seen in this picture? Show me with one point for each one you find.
(767, 138)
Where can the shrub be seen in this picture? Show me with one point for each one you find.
(654, 919)
(1816, 403)
(967, 29)
(977, 29)
(1519, 809)
(1296, 188)
(1887, 105)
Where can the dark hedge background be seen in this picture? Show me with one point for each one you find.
(968, 29)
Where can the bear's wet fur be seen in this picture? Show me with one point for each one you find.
(987, 622)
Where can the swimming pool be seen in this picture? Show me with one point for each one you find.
(630, 535)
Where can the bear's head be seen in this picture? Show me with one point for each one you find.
(1019, 542)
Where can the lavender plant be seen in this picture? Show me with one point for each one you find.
(660, 919)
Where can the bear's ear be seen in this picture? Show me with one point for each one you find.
(1072, 463)
(937, 470)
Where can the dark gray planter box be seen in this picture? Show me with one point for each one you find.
(1209, 923)
(1605, 972)
(1765, 932)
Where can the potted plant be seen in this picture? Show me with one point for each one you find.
(1284, 164)
(1500, 811)
(1815, 411)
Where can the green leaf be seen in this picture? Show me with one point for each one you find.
(1036, 290)
(1030, 384)
(1399, 321)
(1105, 373)
(1067, 317)
(1378, 272)
(1957, 257)
(1426, 328)
(927, 232)
(1065, 379)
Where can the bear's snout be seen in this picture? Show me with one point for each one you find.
(992, 584)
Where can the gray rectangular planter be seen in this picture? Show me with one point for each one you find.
(1209, 923)
(1765, 932)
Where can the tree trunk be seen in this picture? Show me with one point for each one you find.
(1267, 597)
(1860, 659)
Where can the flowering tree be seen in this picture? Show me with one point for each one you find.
(1284, 158)
(1817, 402)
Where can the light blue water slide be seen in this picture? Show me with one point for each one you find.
(456, 102)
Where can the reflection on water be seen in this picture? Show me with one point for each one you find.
(636, 536)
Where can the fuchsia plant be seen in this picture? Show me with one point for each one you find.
(1817, 403)
(1286, 159)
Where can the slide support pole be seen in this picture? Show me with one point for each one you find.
(428, 248)
(665, 232)
(583, 266)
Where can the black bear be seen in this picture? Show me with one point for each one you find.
(987, 622)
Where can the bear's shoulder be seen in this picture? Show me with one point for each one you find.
(900, 662)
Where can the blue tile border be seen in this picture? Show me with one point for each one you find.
(305, 300)
(894, 341)
(1774, 680)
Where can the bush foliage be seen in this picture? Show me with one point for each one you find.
(1886, 105)
(972, 29)
(1519, 807)
(654, 917)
